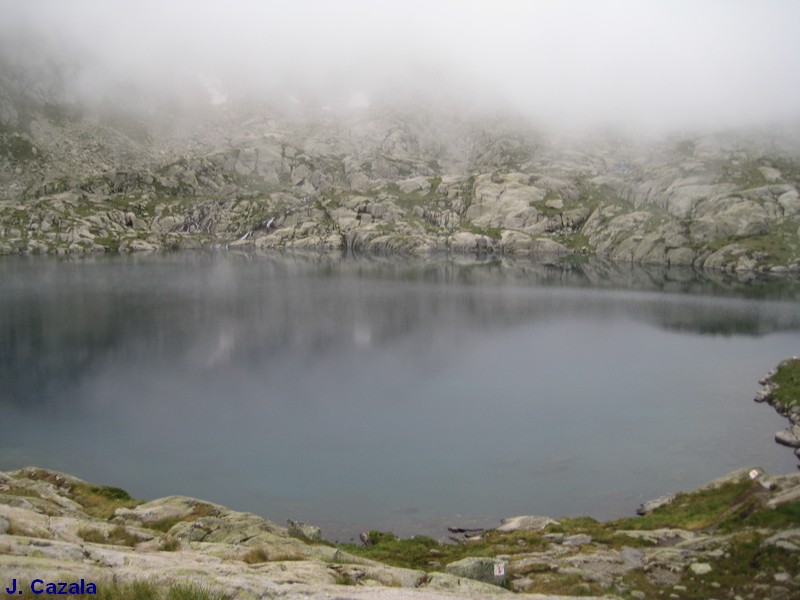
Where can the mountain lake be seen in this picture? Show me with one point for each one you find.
(385, 393)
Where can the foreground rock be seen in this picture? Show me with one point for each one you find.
(736, 533)
(46, 533)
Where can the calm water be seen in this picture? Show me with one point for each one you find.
(385, 394)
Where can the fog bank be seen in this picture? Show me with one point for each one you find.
(643, 65)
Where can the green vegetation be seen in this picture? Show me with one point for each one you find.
(111, 244)
(492, 232)
(408, 200)
(746, 563)
(199, 510)
(118, 536)
(696, 510)
(787, 380)
(255, 556)
(170, 544)
(18, 148)
(744, 173)
(97, 501)
(736, 509)
(778, 246)
(101, 501)
(573, 241)
(428, 554)
(259, 555)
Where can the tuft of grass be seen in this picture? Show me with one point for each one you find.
(119, 536)
(101, 501)
(171, 544)
(97, 500)
(193, 592)
(138, 590)
(15, 529)
(259, 555)
(255, 556)
(164, 525)
(198, 511)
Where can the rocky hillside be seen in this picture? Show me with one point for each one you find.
(736, 536)
(419, 180)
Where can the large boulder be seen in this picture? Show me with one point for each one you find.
(304, 531)
(526, 523)
(489, 570)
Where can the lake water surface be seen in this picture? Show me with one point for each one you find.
(387, 394)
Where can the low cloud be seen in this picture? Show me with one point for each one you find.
(571, 64)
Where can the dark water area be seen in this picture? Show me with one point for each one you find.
(364, 393)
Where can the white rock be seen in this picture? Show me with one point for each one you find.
(700, 568)
(526, 523)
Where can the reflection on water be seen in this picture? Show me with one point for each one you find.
(387, 394)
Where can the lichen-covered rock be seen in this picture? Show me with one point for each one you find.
(789, 436)
(650, 505)
(304, 531)
(526, 523)
(488, 570)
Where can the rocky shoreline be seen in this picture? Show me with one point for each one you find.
(789, 408)
(737, 536)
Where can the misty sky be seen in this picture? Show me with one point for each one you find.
(655, 64)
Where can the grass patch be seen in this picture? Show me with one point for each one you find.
(15, 529)
(171, 544)
(427, 554)
(111, 244)
(18, 149)
(746, 564)
(563, 585)
(17, 490)
(785, 516)
(119, 536)
(413, 553)
(198, 511)
(259, 555)
(97, 500)
(493, 232)
(695, 510)
(139, 590)
(787, 382)
(343, 578)
(101, 501)
(255, 556)
(600, 532)
(573, 241)
(164, 525)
